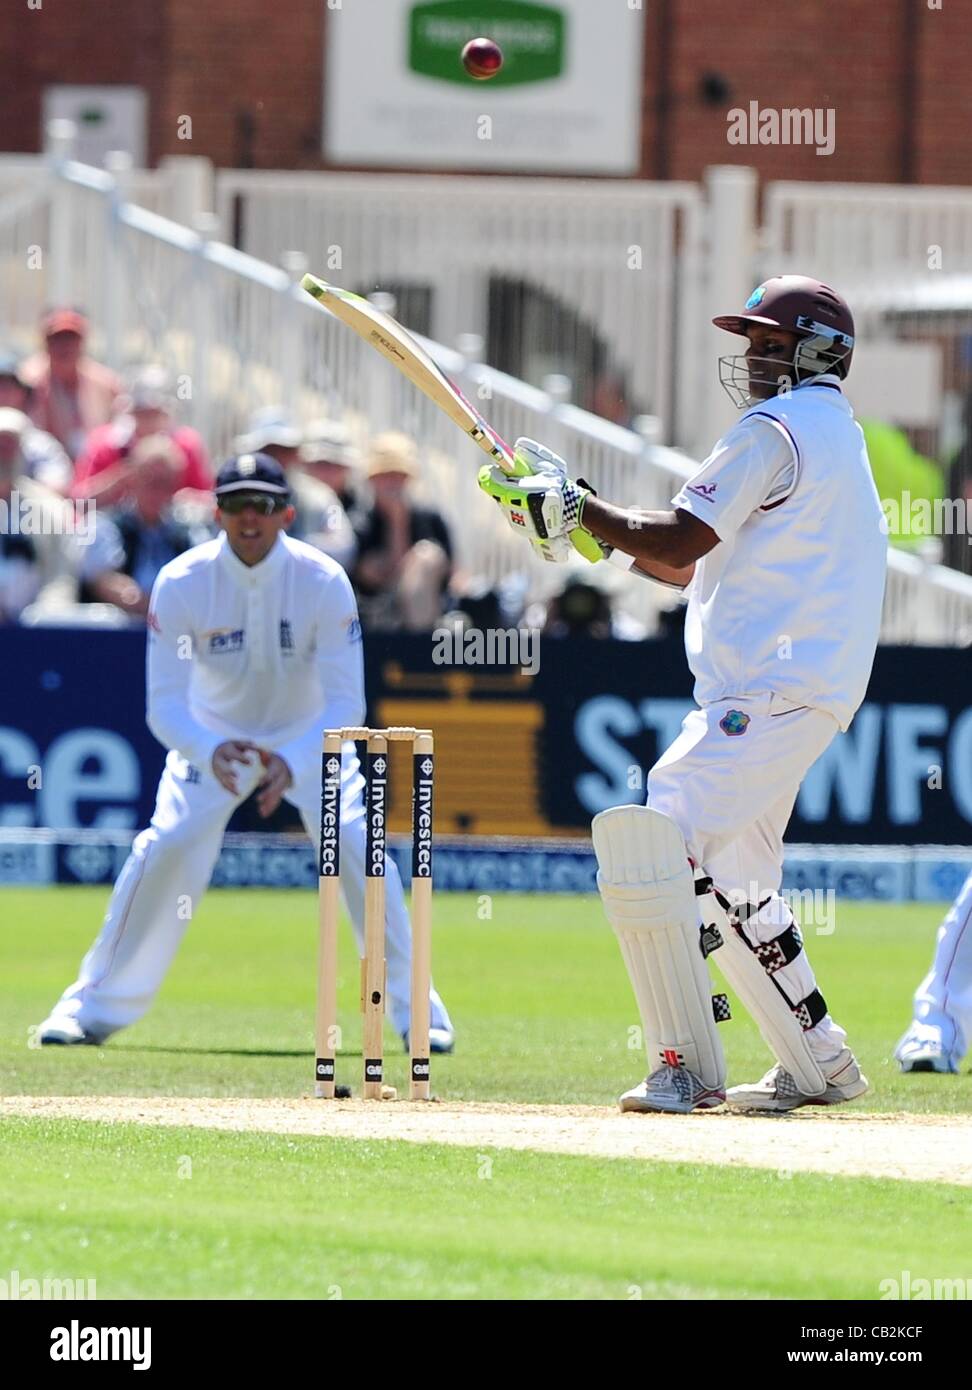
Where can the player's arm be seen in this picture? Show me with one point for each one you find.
(753, 466)
(169, 658)
(665, 545)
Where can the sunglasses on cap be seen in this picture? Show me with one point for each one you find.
(265, 502)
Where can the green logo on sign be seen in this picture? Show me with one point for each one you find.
(531, 37)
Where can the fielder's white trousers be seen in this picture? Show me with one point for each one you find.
(732, 794)
(944, 998)
(164, 878)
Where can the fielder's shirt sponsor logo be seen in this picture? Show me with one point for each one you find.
(224, 639)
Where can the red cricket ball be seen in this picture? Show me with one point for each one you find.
(482, 58)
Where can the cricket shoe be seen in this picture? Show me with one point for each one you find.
(922, 1049)
(65, 1032)
(671, 1090)
(778, 1092)
(441, 1041)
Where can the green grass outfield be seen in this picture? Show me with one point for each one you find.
(543, 1010)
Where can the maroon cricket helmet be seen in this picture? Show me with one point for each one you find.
(805, 306)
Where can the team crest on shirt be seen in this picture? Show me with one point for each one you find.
(734, 723)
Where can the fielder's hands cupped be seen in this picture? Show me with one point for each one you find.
(234, 750)
(277, 779)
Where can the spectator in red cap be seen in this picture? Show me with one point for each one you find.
(70, 393)
(106, 468)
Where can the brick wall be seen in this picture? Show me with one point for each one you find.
(248, 72)
(76, 41)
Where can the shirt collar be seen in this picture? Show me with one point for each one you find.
(830, 379)
(253, 576)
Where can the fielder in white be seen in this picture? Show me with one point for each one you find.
(780, 541)
(941, 1029)
(254, 648)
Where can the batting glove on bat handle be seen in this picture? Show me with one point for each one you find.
(586, 544)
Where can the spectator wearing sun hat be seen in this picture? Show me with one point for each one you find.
(330, 455)
(404, 549)
(71, 394)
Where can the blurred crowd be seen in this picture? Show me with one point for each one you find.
(101, 485)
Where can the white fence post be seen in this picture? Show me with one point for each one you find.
(59, 145)
(203, 409)
(188, 189)
(118, 164)
(731, 219)
(559, 388)
(292, 321)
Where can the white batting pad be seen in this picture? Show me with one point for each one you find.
(648, 892)
(774, 1016)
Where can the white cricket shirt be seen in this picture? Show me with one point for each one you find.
(790, 601)
(269, 652)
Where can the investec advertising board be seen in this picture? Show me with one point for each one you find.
(567, 98)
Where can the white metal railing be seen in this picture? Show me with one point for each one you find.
(865, 234)
(240, 334)
(611, 252)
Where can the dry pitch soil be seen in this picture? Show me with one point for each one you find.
(913, 1148)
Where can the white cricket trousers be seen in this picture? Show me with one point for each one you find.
(944, 998)
(729, 782)
(164, 878)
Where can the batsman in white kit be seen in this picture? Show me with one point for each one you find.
(254, 648)
(781, 543)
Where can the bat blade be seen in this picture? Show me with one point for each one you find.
(399, 348)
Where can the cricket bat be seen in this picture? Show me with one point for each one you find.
(402, 351)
